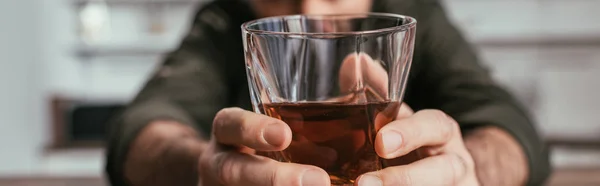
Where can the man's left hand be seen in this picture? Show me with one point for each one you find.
(433, 136)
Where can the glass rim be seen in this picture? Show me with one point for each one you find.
(411, 23)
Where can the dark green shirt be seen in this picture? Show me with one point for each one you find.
(207, 73)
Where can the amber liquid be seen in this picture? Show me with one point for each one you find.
(337, 137)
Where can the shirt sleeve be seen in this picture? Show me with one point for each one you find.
(189, 87)
(451, 78)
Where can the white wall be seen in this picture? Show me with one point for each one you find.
(22, 115)
(38, 43)
(33, 63)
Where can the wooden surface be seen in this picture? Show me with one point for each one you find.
(565, 177)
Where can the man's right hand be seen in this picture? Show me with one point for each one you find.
(230, 156)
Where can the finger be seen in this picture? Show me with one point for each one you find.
(361, 71)
(448, 169)
(234, 126)
(424, 128)
(405, 111)
(232, 168)
(392, 112)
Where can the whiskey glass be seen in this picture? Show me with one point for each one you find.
(334, 79)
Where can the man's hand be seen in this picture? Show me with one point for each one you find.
(164, 153)
(230, 159)
(432, 135)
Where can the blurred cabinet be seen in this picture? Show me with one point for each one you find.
(131, 27)
(120, 42)
(546, 53)
(527, 22)
(115, 45)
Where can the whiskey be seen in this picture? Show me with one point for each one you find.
(337, 137)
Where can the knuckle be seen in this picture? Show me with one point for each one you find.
(222, 112)
(227, 168)
(273, 172)
(243, 128)
(439, 116)
(430, 151)
(207, 156)
(399, 177)
(447, 161)
(225, 113)
(444, 123)
(278, 175)
(274, 176)
(204, 166)
(453, 127)
(203, 162)
(220, 118)
(456, 165)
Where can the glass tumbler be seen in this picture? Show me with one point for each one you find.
(334, 79)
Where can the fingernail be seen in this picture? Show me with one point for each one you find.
(392, 141)
(274, 134)
(369, 180)
(312, 178)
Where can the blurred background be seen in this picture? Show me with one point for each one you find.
(67, 65)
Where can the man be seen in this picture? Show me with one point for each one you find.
(177, 132)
